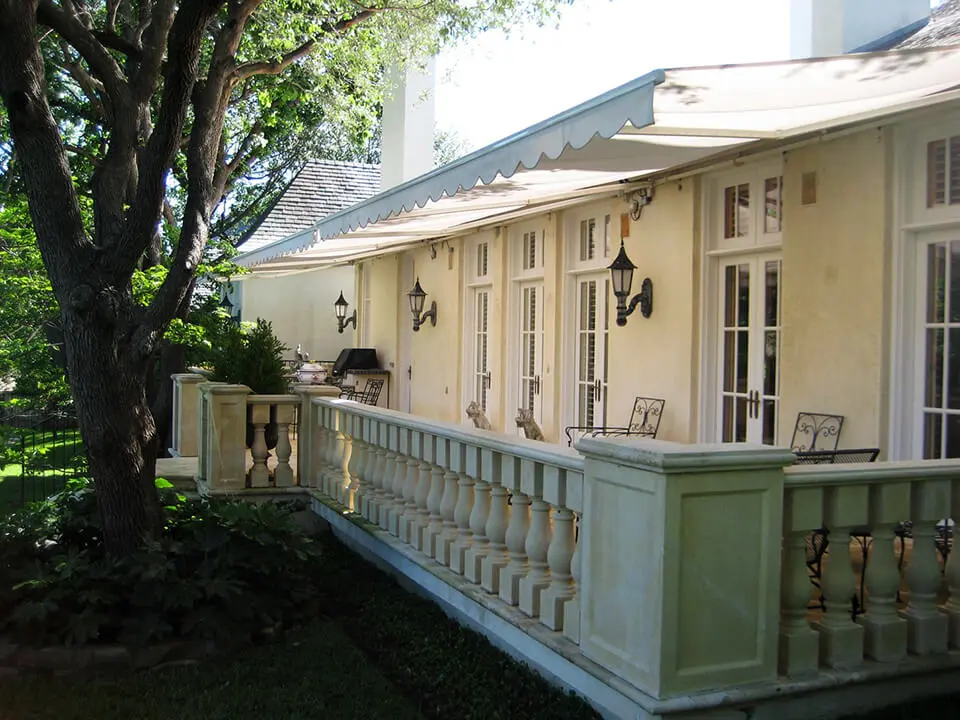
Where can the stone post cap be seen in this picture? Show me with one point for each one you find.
(316, 390)
(661, 456)
(188, 377)
(218, 388)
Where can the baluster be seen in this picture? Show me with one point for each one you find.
(496, 529)
(559, 557)
(259, 475)
(384, 467)
(516, 540)
(927, 627)
(358, 454)
(332, 485)
(798, 643)
(283, 475)
(841, 639)
(952, 571)
(375, 431)
(349, 499)
(385, 483)
(448, 505)
(327, 464)
(473, 558)
(408, 518)
(431, 534)
(571, 611)
(424, 481)
(464, 509)
(319, 439)
(341, 478)
(537, 546)
(886, 632)
(379, 472)
(392, 508)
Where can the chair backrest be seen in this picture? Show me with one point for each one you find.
(645, 418)
(371, 391)
(816, 431)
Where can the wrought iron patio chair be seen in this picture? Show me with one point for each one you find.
(368, 395)
(644, 422)
(816, 431)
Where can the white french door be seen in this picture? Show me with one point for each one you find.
(937, 434)
(531, 347)
(592, 326)
(750, 337)
(481, 357)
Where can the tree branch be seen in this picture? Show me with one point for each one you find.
(275, 67)
(115, 42)
(102, 65)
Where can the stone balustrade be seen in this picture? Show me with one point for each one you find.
(498, 510)
(711, 574)
(185, 434)
(889, 589)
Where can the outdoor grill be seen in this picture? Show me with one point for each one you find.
(355, 359)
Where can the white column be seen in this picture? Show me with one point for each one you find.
(424, 481)
(186, 406)
(473, 558)
(536, 546)
(358, 458)
(259, 417)
(571, 611)
(841, 639)
(464, 507)
(927, 627)
(448, 505)
(408, 518)
(517, 530)
(308, 435)
(434, 529)
(395, 500)
(952, 607)
(799, 644)
(496, 530)
(886, 631)
(283, 475)
(559, 557)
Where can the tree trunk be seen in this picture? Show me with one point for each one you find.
(118, 432)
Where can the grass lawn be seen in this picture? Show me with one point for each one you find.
(52, 459)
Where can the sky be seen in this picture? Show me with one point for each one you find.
(495, 85)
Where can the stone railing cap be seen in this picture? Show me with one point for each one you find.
(663, 456)
(189, 377)
(257, 399)
(219, 388)
(317, 390)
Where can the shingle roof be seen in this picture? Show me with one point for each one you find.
(323, 187)
(943, 28)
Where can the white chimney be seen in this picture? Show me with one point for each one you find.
(406, 149)
(834, 27)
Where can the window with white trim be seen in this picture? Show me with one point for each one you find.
(751, 208)
(943, 171)
(477, 380)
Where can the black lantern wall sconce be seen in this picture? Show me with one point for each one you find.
(340, 306)
(622, 271)
(417, 297)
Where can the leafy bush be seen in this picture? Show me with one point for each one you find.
(253, 358)
(222, 569)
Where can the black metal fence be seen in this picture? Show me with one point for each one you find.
(41, 451)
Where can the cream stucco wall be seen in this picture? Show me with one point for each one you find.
(834, 264)
(379, 283)
(436, 350)
(655, 356)
(300, 306)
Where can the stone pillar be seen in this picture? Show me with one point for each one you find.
(681, 562)
(186, 415)
(307, 428)
(223, 462)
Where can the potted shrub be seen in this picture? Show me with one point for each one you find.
(252, 357)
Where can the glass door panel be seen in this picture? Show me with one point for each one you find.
(591, 351)
(531, 347)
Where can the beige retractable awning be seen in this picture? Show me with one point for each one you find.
(667, 119)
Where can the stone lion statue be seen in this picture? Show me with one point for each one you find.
(530, 428)
(475, 413)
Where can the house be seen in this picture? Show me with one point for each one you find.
(778, 210)
(794, 227)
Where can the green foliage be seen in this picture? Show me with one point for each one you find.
(221, 569)
(28, 309)
(251, 357)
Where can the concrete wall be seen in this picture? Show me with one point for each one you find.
(300, 306)
(834, 255)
